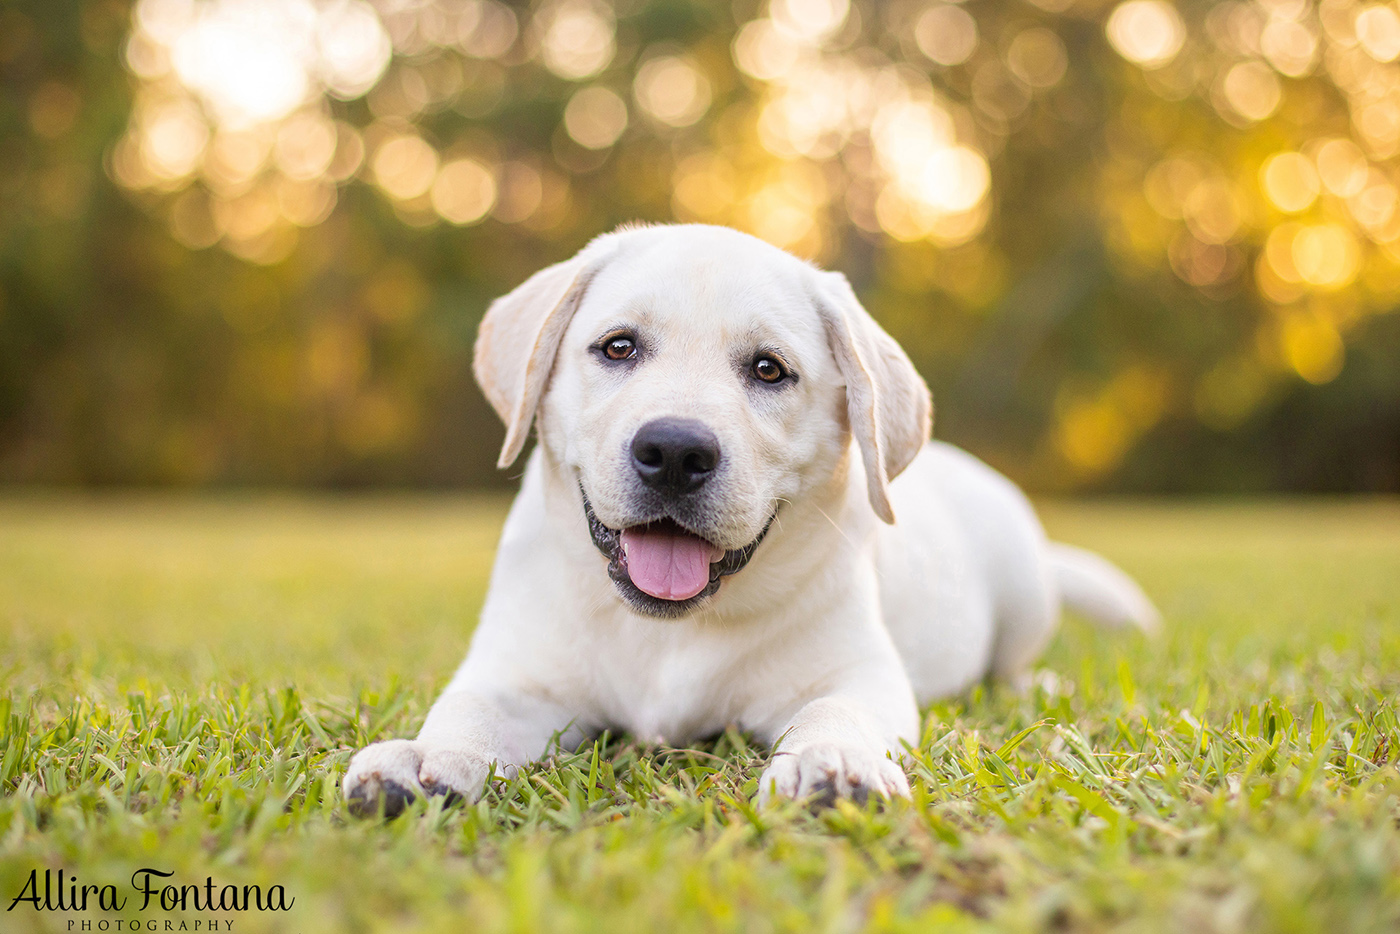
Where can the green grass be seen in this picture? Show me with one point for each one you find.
(182, 682)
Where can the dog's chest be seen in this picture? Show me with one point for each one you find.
(668, 688)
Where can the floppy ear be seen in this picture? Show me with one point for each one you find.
(888, 404)
(518, 340)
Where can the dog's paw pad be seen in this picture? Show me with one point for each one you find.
(446, 792)
(823, 794)
(384, 775)
(367, 798)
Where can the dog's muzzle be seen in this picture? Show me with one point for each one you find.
(609, 542)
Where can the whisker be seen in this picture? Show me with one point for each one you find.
(839, 531)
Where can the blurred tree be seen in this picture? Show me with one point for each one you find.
(1133, 246)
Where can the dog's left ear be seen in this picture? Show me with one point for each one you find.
(888, 404)
(520, 336)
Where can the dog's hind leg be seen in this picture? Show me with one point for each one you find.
(1027, 604)
(1070, 578)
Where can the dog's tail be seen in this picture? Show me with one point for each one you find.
(1097, 588)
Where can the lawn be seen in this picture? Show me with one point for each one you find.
(183, 680)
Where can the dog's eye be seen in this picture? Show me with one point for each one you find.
(620, 347)
(769, 370)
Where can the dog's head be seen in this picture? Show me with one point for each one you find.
(691, 380)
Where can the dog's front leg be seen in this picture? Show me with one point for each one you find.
(465, 734)
(843, 746)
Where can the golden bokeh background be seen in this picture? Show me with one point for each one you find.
(1133, 245)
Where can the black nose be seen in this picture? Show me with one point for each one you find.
(674, 455)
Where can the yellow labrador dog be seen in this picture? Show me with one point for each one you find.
(706, 532)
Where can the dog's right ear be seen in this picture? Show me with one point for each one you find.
(519, 338)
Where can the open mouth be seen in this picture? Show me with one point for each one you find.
(662, 568)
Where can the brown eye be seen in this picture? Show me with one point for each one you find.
(768, 369)
(620, 348)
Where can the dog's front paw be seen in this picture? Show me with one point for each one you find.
(823, 772)
(391, 774)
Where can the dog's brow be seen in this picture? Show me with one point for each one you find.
(632, 316)
(763, 335)
(641, 311)
(616, 326)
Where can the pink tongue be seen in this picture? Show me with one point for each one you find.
(666, 562)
